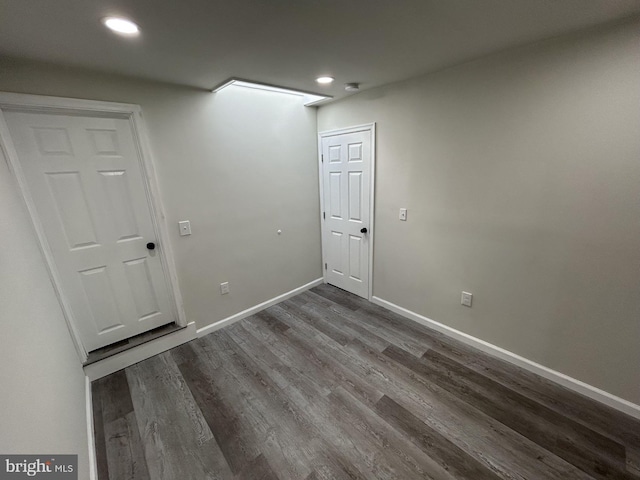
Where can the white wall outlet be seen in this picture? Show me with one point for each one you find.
(185, 227)
(467, 298)
(403, 214)
(224, 288)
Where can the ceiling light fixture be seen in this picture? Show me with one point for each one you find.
(121, 25)
(324, 80)
(308, 99)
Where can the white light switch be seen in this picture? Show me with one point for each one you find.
(466, 299)
(224, 288)
(403, 214)
(185, 228)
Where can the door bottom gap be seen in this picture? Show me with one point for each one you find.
(124, 345)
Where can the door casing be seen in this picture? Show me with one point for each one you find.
(368, 127)
(71, 106)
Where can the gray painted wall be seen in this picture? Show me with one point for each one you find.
(239, 164)
(42, 405)
(521, 173)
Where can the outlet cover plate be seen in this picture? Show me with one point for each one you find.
(185, 227)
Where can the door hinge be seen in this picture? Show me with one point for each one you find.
(325, 266)
(324, 215)
(322, 157)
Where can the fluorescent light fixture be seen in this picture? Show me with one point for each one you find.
(324, 80)
(121, 25)
(308, 99)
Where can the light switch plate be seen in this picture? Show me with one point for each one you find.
(224, 288)
(466, 299)
(403, 214)
(185, 227)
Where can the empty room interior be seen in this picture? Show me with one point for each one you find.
(320, 240)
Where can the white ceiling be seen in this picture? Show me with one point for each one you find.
(202, 43)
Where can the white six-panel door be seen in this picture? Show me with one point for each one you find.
(346, 177)
(84, 176)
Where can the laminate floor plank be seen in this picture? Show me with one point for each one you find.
(363, 449)
(177, 440)
(328, 461)
(352, 302)
(408, 455)
(633, 461)
(116, 386)
(380, 328)
(304, 361)
(267, 410)
(315, 318)
(97, 397)
(299, 300)
(284, 398)
(606, 420)
(258, 469)
(345, 370)
(453, 458)
(218, 403)
(395, 442)
(340, 363)
(334, 318)
(119, 439)
(559, 434)
(327, 386)
(480, 435)
(126, 456)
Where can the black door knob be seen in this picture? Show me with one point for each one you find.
(363, 230)
(151, 246)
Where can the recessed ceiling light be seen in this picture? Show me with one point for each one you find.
(121, 25)
(324, 80)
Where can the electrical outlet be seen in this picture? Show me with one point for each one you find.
(185, 227)
(403, 214)
(224, 288)
(467, 298)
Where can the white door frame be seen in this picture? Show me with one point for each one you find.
(367, 127)
(130, 112)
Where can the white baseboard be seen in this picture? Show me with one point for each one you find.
(578, 386)
(141, 352)
(93, 468)
(255, 309)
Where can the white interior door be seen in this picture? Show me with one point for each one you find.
(84, 176)
(346, 176)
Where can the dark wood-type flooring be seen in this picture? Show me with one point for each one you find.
(327, 385)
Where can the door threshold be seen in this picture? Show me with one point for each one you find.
(124, 345)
